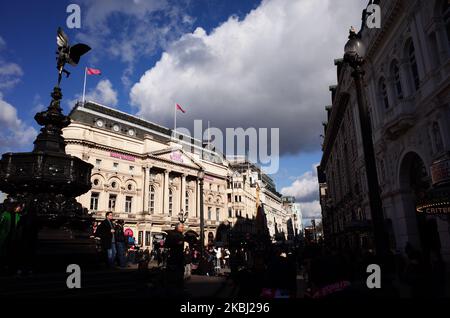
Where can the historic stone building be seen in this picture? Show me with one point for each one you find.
(143, 175)
(248, 184)
(147, 177)
(294, 214)
(407, 87)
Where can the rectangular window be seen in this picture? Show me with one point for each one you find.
(151, 200)
(112, 202)
(131, 168)
(98, 162)
(217, 214)
(128, 204)
(147, 238)
(140, 237)
(94, 200)
(229, 197)
(230, 212)
(209, 213)
(235, 198)
(115, 165)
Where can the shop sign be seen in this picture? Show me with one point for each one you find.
(440, 172)
(122, 156)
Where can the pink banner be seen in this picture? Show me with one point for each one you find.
(121, 156)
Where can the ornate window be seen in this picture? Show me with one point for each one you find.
(94, 201)
(112, 202)
(395, 71)
(383, 93)
(413, 64)
(128, 204)
(151, 199)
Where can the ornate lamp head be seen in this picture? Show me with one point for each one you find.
(354, 50)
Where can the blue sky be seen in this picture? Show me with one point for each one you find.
(237, 63)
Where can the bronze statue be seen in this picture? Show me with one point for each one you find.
(67, 54)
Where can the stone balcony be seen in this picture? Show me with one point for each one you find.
(398, 119)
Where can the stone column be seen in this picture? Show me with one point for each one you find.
(183, 192)
(197, 198)
(166, 193)
(146, 190)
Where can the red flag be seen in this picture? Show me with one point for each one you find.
(179, 107)
(93, 71)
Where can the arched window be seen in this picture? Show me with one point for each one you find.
(186, 202)
(395, 72)
(383, 93)
(413, 64)
(151, 199)
(170, 201)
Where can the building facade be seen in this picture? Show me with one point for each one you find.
(247, 185)
(149, 179)
(143, 175)
(294, 215)
(406, 87)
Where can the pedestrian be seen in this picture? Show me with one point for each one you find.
(187, 262)
(26, 238)
(106, 232)
(121, 243)
(218, 259)
(175, 261)
(9, 223)
(226, 257)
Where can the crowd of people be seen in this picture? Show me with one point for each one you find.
(117, 249)
(269, 270)
(18, 237)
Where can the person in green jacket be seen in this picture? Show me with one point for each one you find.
(9, 221)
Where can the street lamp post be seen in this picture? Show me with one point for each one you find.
(354, 56)
(201, 175)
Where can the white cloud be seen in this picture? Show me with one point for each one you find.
(305, 189)
(272, 69)
(311, 210)
(103, 93)
(15, 133)
(10, 73)
(130, 29)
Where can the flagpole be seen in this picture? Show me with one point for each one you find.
(84, 85)
(175, 121)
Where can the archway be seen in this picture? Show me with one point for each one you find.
(422, 230)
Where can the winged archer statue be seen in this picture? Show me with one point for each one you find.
(67, 54)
